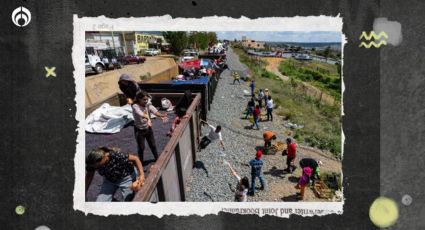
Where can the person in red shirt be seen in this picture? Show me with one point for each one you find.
(256, 114)
(291, 150)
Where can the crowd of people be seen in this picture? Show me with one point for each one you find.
(244, 187)
(124, 171)
(310, 170)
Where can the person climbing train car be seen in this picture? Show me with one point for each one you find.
(214, 134)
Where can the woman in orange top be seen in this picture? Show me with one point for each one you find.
(268, 136)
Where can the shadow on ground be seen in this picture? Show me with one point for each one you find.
(275, 172)
(200, 165)
(293, 179)
(290, 198)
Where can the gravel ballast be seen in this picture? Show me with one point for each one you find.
(212, 180)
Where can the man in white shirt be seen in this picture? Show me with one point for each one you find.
(214, 134)
(269, 106)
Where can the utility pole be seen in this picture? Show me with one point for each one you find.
(125, 45)
(113, 42)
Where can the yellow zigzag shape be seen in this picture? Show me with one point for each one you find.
(372, 43)
(372, 34)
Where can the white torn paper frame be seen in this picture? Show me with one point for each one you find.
(166, 23)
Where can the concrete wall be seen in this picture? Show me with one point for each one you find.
(102, 86)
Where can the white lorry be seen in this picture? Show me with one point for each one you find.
(94, 64)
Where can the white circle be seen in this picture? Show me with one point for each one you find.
(21, 13)
(42, 227)
(406, 200)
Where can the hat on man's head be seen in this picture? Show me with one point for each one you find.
(125, 77)
(259, 154)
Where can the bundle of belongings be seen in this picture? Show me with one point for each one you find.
(109, 119)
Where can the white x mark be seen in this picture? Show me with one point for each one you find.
(50, 71)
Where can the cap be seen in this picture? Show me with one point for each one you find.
(259, 154)
(125, 77)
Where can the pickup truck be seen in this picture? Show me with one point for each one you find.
(94, 64)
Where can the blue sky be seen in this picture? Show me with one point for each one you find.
(286, 36)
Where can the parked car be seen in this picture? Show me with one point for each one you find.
(303, 57)
(151, 52)
(94, 64)
(133, 59)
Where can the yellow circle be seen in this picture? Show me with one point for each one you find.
(383, 212)
(20, 210)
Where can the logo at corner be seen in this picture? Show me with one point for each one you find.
(21, 16)
(376, 37)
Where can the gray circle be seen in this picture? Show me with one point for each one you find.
(42, 227)
(406, 200)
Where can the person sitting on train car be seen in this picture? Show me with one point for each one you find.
(143, 124)
(180, 116)
(129, 87)
(214, 134)
(118, 171)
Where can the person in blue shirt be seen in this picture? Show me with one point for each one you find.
(252, 86)
(256, 171)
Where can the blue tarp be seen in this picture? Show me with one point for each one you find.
(199, 81)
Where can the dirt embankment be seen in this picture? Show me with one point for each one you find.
(273, 67)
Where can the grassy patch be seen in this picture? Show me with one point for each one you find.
(322, 123)
(322, 75)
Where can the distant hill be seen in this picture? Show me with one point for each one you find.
(308, 45)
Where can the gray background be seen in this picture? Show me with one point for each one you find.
(383, 119)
